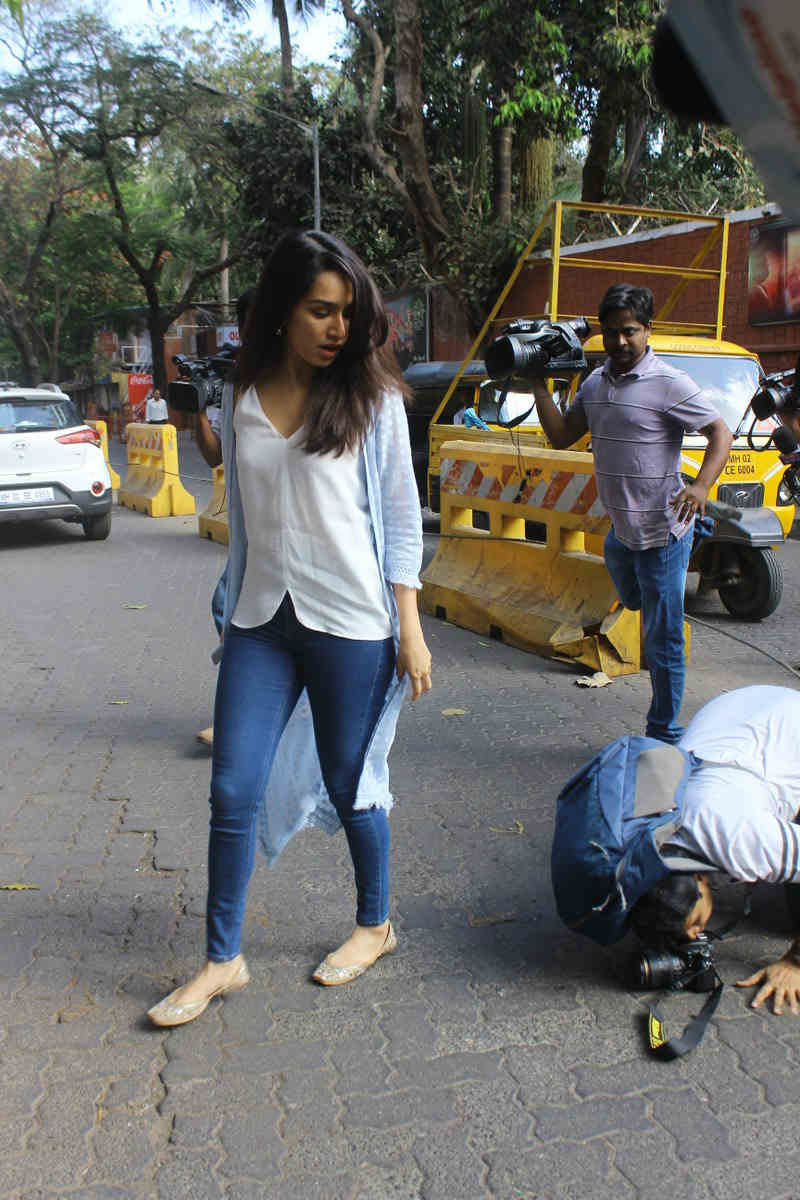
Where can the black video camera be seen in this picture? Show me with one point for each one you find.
(685, 966)
(200, 380)
(535, 349)
(779, 393)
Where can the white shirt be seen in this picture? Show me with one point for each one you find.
(156, 409)
(308, 532)
(741, 801)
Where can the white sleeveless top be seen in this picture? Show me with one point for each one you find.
(308, 532)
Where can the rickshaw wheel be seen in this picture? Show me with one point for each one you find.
(761, 587)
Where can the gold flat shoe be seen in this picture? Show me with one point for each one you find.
(330, 976)
(206, 736)
(167, 1012)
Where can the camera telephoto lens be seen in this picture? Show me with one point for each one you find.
(767, 401)
(510, 356)
(649, 971)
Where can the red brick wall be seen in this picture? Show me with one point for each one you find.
(580, 290)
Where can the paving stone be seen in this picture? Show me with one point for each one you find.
(698, 1134)
(251, 1142)
(647, 1160)
(188, 1174)
(591, 1118)
(17, 1172)
(566, 1170)
(758, 1176)
(408, 1029)
(276, 1056)
(310, 1109)
(757, 1054)
(420, 912)
(360, 1065)
(123, 1145)
(446, 1069)
(191, 1129)
(539, 1071)
(492, 1116)
(399, 1108)
(450, 1167)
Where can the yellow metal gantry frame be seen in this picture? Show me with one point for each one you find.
(553, 218)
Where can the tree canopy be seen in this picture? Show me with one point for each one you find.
(157, 173)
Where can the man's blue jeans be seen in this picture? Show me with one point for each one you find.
(654, 581)
(262, 674)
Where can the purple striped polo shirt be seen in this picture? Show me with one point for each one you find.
(637, 421)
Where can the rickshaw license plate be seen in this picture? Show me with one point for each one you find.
(739, 463)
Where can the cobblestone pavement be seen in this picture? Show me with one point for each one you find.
(495, 1056)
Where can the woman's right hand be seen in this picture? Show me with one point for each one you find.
(414, 660)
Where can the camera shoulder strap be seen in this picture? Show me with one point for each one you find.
(669, 1048)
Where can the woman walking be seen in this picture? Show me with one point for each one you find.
(321, 632)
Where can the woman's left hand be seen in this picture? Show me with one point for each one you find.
(414, 660)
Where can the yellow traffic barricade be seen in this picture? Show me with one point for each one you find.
(520, 556)
(212, 522)
(102, 429)
(152, 484)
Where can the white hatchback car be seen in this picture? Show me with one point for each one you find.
(51, 462)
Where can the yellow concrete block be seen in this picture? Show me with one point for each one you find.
(152, 483)
(212, 522)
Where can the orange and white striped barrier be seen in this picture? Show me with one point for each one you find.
(520, 555)
(152, 484)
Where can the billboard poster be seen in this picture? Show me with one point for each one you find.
(773, 274)
(408, 326)
(229, 334)
(139, 384)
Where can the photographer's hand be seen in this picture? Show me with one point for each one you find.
(690, 502)
(781, 980)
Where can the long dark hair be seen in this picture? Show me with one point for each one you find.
(344, 395)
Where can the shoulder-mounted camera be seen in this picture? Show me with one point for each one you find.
(537, 349)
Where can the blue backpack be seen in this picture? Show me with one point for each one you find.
(612, 817)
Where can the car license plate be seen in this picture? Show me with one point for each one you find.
(26, 495)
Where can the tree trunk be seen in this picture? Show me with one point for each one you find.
(537, 173)
(157, 329)
(635, 129)
(410, 131)
(501, 188)
(17, 328)
(224, 276)
(287, 71)
(601, 142)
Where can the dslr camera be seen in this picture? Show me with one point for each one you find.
(683, 966)
(536, 349)
(200, 380)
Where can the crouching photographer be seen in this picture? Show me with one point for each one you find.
(642, 827)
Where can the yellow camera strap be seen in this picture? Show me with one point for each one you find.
(669, 1048)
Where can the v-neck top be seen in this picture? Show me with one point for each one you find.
(308, 530)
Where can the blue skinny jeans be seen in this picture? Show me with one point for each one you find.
(262, 675)
(654, 581)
